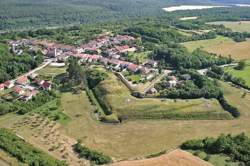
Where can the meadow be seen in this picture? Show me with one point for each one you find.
(244, 74)
(131, 139)
(237, 26)
(114, 94)
(222, 46)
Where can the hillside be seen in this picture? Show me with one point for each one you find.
(21, 14)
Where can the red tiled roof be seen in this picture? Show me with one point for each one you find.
(22, 80)
(2, 86)
(46, 85)
(133, 67)
(17, 89)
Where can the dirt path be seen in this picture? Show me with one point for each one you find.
(175, 158)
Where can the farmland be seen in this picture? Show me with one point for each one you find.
(237, 26)
(222, 46)
(244, 74)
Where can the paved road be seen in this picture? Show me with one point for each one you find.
(45, 63)
(204, 71)
(158, 79)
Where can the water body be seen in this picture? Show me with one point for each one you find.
(189, 7)
(199, 7)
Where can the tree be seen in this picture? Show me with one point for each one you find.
(241, 65)
(74, 70)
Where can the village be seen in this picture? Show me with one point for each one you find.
(108, 51)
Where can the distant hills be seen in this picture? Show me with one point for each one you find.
(22, 14)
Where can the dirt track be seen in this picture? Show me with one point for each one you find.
(175, 158)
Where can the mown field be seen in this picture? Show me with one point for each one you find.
(244, 74)
(237, 26)
(113, 93)
(130, 139)
(222, 46)
(125, 140)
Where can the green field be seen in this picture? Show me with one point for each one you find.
(222, 46)
(237, 26)
(114, 95)
(244, 74)
(215, 159)
(125, 140)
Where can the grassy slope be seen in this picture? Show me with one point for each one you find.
(242, 26)
(222, 46)
(125, 140)
(117, 96)
(244, 74)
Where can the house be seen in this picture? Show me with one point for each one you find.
(18, 90)
(22, 80)
(39, 82)
(172, 83)
(152, 91)
(9, 84)
(186, 76)
(52, 52)
(2, 86)
(33, 76)
(151, 63)
(133, 68)
(46, 85)
(29, 95)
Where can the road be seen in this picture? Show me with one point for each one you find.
(45, 63)
(159, 78)
(204, 71)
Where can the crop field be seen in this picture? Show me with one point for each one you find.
(222, 46)
(116, 96)
(244, 74)
(238, 26)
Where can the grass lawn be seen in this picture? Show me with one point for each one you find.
(50, 72)
(244, 74)
(135, 79)
(142, 57)
(222, 46)
(238, 26)
(114, 94)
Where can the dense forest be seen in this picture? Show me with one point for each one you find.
(22, 14)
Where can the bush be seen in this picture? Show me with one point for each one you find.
(92, 155)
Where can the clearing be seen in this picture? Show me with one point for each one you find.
(244, 74)
(222, 46)
(237, 26)
(174, 158)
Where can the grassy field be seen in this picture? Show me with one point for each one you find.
(238, 26)
(215, 159)
(7, 160)
(112, 93)
(222, 46)
(143, 137)
(130, 139)
(244, 74)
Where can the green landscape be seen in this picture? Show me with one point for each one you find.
(124, 83)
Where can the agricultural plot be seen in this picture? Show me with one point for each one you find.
(244, 74)
(222, 46)
(116, 97)
(237, 26)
